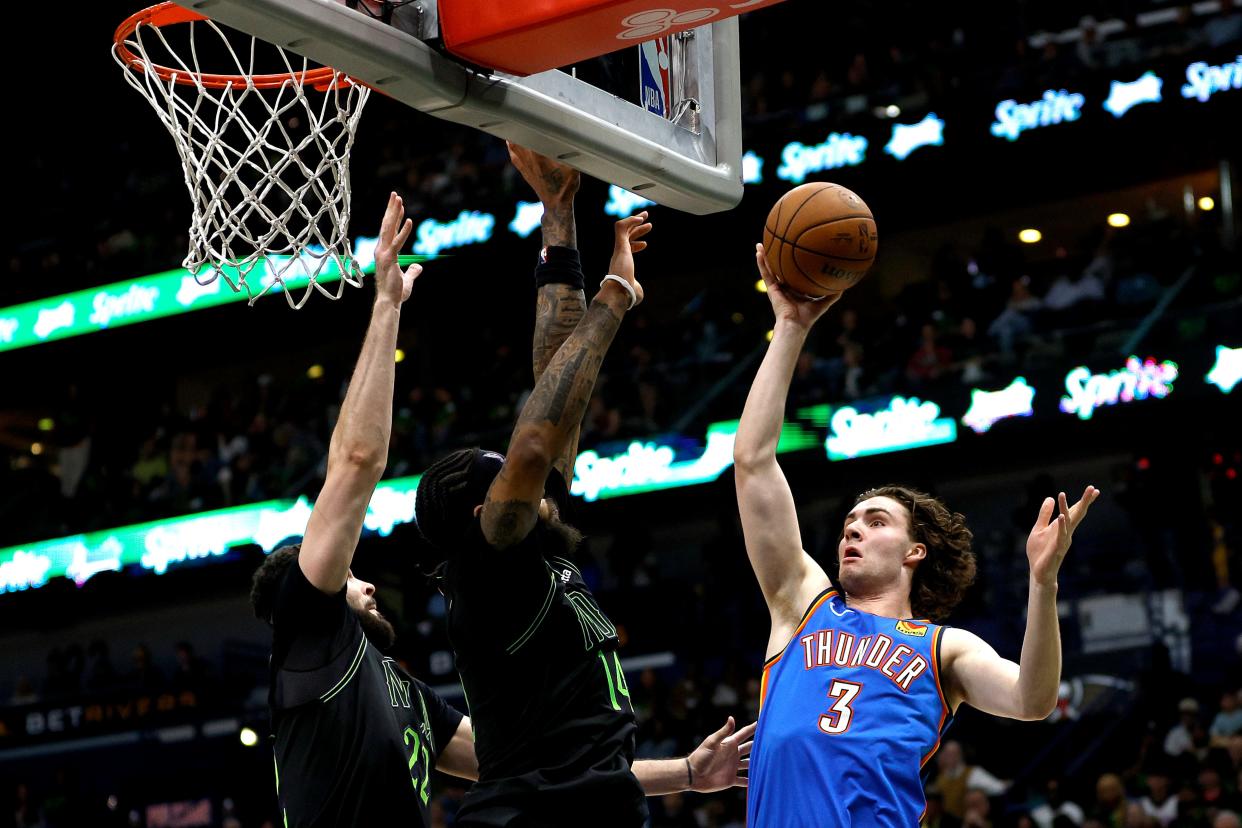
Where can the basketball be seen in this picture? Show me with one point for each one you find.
(820, 238)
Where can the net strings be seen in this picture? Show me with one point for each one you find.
(262, 215)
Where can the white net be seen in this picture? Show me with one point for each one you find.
(266, 157)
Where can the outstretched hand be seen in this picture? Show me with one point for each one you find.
(785, 303)
(1050, 538)
(628, 233)
(718, 762)
(554, 182)
(390, 282)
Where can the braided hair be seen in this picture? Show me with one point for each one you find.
(447, 494)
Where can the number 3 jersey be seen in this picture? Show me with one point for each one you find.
(850, 712)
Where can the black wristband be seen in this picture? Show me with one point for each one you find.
(559, 265)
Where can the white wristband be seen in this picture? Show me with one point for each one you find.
(611, 277)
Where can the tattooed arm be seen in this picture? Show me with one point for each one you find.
(558, 306)
(554, 411)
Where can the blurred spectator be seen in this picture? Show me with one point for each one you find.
(954, 778)
(144, 675)
(1159, 803)
(189, 673)
(929, 361)
(978, 813)
(1228, 721)
(1180, 738)
(25, 812)
(1225, 26)
(1110, 800)
(99, 673)
(1056, 810)
(935, 816)
(23, 692)
(1015, 321)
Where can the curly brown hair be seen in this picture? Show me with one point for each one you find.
(942, 578)
(267, 576)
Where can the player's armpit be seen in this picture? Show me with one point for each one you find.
(788, 577)
(458, 758)
(335, 525)
(976, 674)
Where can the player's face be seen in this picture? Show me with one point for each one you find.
(361, 595)
(875, 545)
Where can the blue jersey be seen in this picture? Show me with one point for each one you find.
(850, 712)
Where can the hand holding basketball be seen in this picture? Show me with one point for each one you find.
(628, 232)
(390, 283)
(788, 304)
(820, 238)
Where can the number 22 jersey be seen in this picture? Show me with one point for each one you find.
(850, 712)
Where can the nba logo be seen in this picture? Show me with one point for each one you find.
(654, 76)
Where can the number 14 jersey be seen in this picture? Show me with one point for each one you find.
(850, 712)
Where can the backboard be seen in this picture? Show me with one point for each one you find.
(692, 162)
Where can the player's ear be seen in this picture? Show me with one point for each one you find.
(478, 510)
(916, 553)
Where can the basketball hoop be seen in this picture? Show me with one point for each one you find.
(266, 154)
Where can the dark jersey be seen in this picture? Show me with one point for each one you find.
(356, 736)
(554, 729)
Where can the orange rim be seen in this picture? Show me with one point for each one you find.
(167, 14)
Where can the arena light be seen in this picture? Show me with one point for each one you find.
(761, 286)
(1207, 204)
(901, 424)
(838, 150)
(248, 737)
(144, 299)
(768, 336)
(652, 466)
(1203, 80)
(36, 449)
(752, 168)
(1053, 107)
(398, 356)
(1030, 236)
(527, 217)
(1138, 380)
(160, 545)
(314, 372)
(907, 138)
(622, 202)
(1124, 96)
(46, 424)
(470, 227)
(1227, 370)
(1118, 220)
(989, 407)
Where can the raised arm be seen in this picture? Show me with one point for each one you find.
(787, 576)
(977, 675)
(553, 414)
(559, 302)
(358, 451)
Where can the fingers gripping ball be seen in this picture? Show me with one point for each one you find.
(820, 238)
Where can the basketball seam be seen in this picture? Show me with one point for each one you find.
(826, 188)
(781, 236)
(830, 256)
(794, 244)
